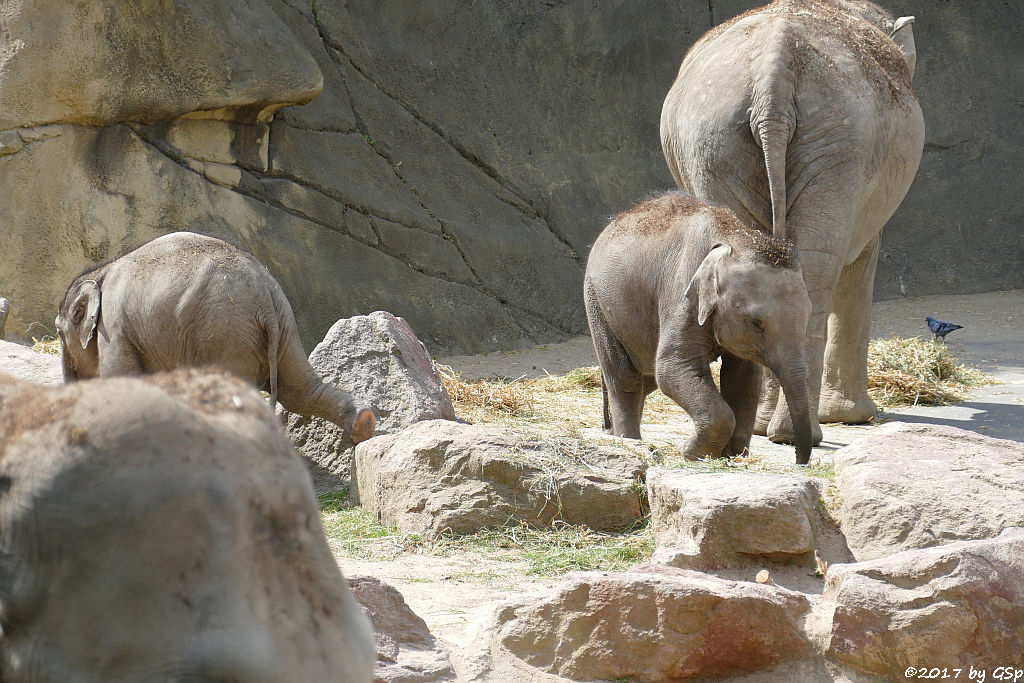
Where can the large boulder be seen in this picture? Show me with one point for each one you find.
(438, 173)
(406, 651)
(653, 624)
(24, 363)
(378, 359)
(952, 607)
(918, 485)
(440, 476)
(716, 520)
(163, 527)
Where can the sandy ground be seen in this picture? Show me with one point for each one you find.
(450, 594)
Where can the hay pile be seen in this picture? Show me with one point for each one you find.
(901, 372)
(917, 371)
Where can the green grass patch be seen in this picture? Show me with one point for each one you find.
(353, 531)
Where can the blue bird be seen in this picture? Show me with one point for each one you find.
(940, 328)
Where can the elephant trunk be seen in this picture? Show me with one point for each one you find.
(791, 370)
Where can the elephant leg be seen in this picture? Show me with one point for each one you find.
(690, 384)
(770, 389)
(623, 387)
(301, 390)
(741, 387)
(844, 391)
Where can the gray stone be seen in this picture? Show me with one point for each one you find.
(653, 624)
(732, 519)
(24, 363)
(495, 125)
(441, 476)
(406, 651)
(918, 485)
(952, 607)
(379, 360)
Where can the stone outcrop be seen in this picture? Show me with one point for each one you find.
(918, 485)
(730, 519)
(653, 624)
(406, 651)
(24, 363)
(451, 167)
(440, 476)
(954, 606)
(378, 359)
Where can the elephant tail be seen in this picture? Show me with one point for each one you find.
(773, 120)
(774, 138)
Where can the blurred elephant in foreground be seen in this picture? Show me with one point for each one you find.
(163, 529)
(190, 300)
(801, 116)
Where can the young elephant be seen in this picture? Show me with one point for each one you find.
(673, 284)
(190, 300)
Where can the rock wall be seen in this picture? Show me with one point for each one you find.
(448, 162)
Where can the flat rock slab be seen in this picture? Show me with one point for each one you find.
(653, 623)
(918, 485)
(406, 651)
(379, 360)
(439, 476)
(953, 606)
(22, 362)
(731, 519)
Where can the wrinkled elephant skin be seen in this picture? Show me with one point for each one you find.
(801, 116)
(675, 283)
(189, 300)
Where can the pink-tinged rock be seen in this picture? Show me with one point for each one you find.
(919, 485)
(654, 623)
(406, 651)
(955, 606)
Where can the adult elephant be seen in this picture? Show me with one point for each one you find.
(801, 116)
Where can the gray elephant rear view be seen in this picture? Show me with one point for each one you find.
(801, 116)
(190, 300)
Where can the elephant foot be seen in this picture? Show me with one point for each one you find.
(835, 407)
(781, 431)
(364, 425)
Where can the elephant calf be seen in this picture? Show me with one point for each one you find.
(673, 284)
(162, 529)
(190, 300)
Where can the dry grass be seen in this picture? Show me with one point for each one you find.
(900, 372)
(917, 371)
(47, 345)
(572, 399)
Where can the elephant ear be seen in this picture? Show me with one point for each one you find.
(85, 311)
(703, 288)
(903, 35)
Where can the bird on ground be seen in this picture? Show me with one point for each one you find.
(940, 328)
